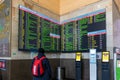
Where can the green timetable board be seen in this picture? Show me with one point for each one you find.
(21, 32)
(36, 32)
(92, 33)
(31, 33)
(68, 37)
(50, 35)
(88, 32)
(28, 31)
(84, 34)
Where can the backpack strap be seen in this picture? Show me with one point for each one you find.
(41, 65)
(35, 57)
(43, 57)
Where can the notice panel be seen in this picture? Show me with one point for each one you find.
(92, 33)
(84, 34)
(36, 32)
(88, 32)
(50, 36)
(68, 37)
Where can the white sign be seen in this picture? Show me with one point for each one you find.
(93, 68)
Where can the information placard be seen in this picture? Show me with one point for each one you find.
(93, 65)
(105, 56)
(2, 64)
(78, 56)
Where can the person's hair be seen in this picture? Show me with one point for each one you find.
(41, 50)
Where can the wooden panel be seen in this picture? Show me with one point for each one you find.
(52, 5)
(61, 7)
(70, 68)
(118, 4)
(18, 72)
(70, 5)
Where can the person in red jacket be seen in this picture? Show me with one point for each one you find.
(41, 69)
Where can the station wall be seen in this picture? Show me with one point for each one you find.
(18, 59)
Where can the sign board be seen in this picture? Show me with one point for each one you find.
(93, 56)
(105, 65)
(78, 56)
(93, 68)
(117, 63)
(105, 56)
(2, 64)
(78, 64)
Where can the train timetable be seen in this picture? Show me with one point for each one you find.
(29, 31)
(35, 32)
(97, 35)
(82, 34)
(31, 38)
(21, 30)
(55, 37)
(50, 36)
(92, 33)
(88, 32)
(45, 34)
(68, 40)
